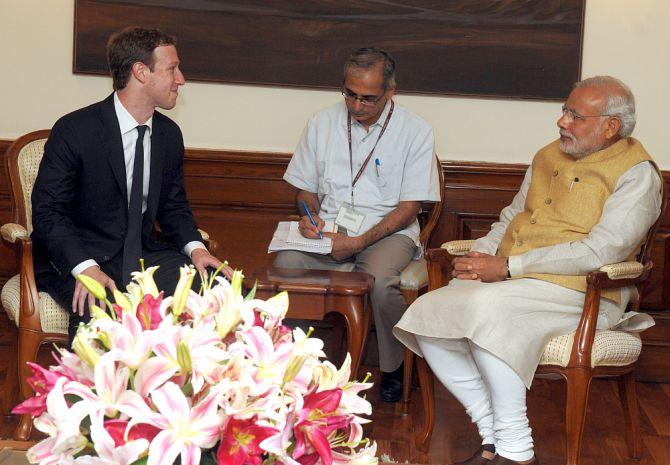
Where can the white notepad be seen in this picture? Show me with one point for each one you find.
(287, 237)
(295, 238)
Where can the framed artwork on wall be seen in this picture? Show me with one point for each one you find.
(486, 48)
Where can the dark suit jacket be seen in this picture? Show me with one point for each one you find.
(79, 201)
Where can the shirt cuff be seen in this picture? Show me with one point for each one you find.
(514, 265)
(82, 266)
(191, 246)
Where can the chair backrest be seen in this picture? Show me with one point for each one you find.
(644, 256)
(430, 212)
(23, 161)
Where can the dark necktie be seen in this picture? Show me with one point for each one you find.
(132, 244)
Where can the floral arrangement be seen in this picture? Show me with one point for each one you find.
(195, 378)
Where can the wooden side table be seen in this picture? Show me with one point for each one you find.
(315, 293)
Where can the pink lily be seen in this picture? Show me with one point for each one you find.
(117, 430)
(240, 442)
(185, 430)
(108, 452)
(200, 344)
(270, 362)
(317, 419)
(62, 423)
(110, 383)
(42, 381)
(129, 343)
(149, 311)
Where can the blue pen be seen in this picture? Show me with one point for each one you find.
(311, 218)
(377, 165)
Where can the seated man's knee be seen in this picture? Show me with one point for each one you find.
(289, 259)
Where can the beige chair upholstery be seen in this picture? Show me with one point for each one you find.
(53, 318)
(415, 275)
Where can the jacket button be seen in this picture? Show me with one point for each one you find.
(519, 243)
(555, 173)
(533, 221)
(547, 201)
(105, 258)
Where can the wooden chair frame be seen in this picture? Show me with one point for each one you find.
(410, 295)
(578, 373)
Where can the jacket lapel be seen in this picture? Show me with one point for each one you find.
(156, 168)
(112, 144)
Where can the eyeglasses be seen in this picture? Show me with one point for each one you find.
(576, 117)
(365, 100)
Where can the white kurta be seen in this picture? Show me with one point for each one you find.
(514, 319)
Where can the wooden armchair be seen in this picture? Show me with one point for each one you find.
(577, 357)
(414, 278)
(40, 320)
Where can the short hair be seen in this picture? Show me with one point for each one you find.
(620, 101)
(131, 45)
(367, 57)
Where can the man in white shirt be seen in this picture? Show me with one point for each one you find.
(109, 172)
(588, 200)
(370, 163)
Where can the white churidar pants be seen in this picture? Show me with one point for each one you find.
(492, 393)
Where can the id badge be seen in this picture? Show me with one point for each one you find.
(349, 219)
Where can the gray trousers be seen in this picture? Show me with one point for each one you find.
(385, 260)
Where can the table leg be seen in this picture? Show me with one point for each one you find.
(352, 308)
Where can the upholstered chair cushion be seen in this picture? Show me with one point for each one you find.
(610, 348)
(28, 163)
(53, 317)
(415, 275)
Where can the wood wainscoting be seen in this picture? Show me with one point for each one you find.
(238, 197)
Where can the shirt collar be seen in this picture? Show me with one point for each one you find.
(126, 121)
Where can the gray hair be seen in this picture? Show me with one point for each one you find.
(620, 101)
(367, 57)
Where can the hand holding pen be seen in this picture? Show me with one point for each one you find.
(312, 221)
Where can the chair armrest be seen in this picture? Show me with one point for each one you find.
(11, 232)
(458, 247)
(623, 270)
(609, 276)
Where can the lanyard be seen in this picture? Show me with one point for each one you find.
(354, 179)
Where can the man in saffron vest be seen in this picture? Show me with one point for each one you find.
(587, 200)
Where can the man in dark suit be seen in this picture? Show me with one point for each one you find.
(109, 172)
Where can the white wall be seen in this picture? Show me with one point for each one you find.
(625, 38)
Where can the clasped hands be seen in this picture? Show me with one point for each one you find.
(480, 266)
(343, 245)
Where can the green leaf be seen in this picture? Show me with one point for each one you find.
(252, 292)
(141, 461)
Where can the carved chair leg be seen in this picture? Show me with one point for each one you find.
(29, 344)
(426, 381)
(407, 380)
(11, 386)
(578, 381)
(410, 295)
(628, 396)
